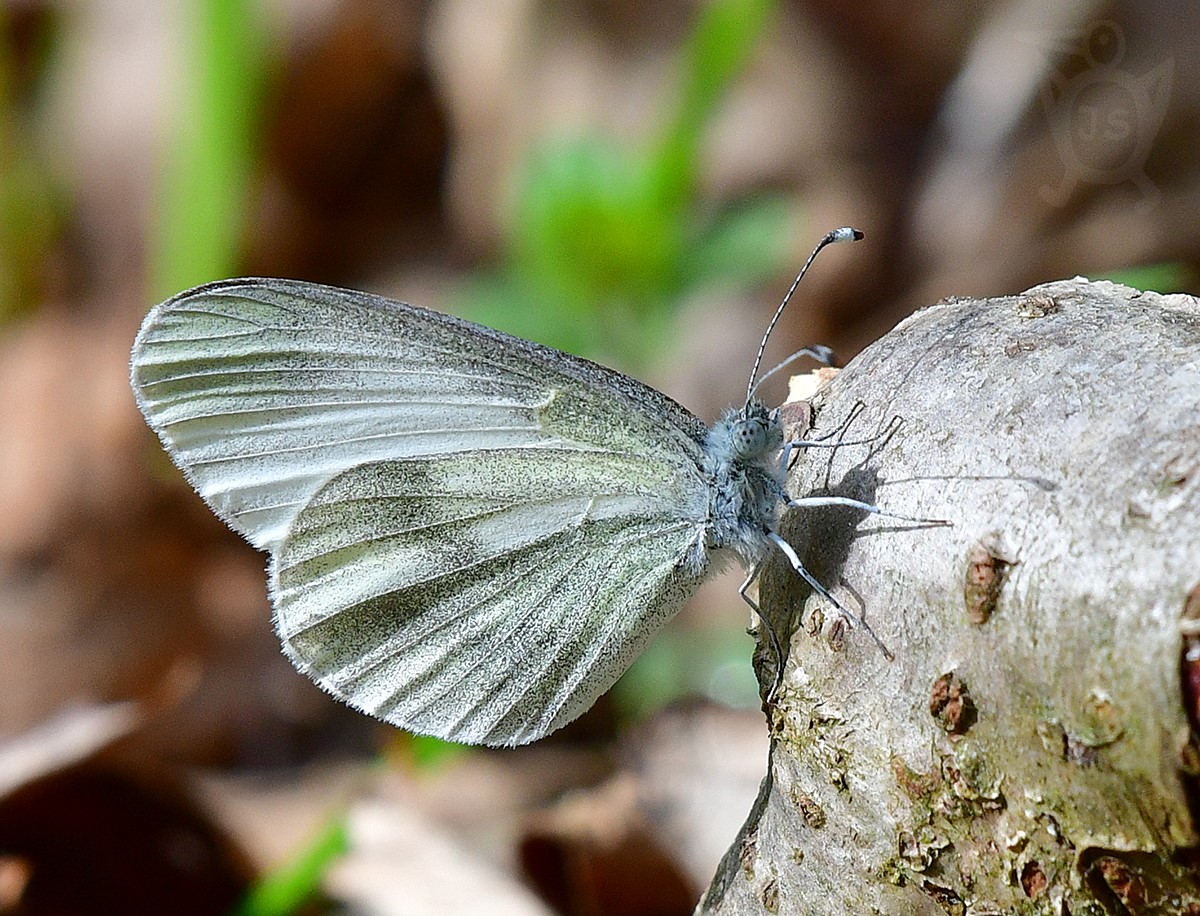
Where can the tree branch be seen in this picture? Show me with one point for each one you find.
(1029, 748)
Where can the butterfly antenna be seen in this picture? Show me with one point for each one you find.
(845, 234)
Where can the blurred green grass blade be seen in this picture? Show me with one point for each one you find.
(288, 887)
(33, 203)
(746, 244)
(588, 228)
(602, 238)
(202, 184)
(722, 41)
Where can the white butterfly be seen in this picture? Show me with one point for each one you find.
(471, 535)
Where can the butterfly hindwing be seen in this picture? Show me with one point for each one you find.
(486, 598)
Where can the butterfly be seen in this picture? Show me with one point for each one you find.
(471, 535)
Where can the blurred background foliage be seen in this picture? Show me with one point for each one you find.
(32, 202)
(207, 162)
(603, 240)
(631, 182)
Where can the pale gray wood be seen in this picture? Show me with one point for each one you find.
(1058, 430)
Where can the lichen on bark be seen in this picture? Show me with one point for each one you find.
(1029, 749)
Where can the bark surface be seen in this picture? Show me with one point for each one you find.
(1030, 748)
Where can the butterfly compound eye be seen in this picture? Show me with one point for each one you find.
(750, 436)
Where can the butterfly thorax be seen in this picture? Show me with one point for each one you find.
(745, 492)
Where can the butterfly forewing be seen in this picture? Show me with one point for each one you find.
(263, 390)
(472, 535)
(487, 597)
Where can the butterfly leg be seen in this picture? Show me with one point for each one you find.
(824, 441)
(808, 502)
(786, 549)
(776, 646)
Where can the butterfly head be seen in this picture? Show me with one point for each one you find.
(755, 432)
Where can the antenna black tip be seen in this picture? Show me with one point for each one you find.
(845, 234)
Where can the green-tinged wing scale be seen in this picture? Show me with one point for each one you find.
(486, 598)
(471, 535)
